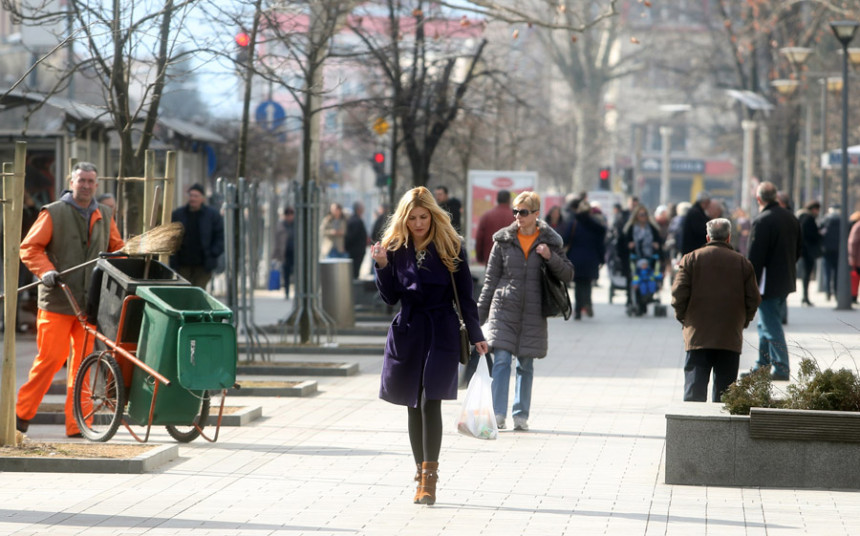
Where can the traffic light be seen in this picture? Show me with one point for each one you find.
(378, 163)
(605, 178)
(243, 50)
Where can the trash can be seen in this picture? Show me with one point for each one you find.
(337, 293)
(120, 277)
(187, 337)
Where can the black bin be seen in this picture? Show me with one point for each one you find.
(120, 278)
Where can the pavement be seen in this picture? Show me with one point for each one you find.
(339, 463)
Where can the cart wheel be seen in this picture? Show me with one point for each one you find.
(185, 434)
(99, 397)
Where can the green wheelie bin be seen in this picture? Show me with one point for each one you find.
(186, 336)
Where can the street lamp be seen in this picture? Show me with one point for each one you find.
(844, 31)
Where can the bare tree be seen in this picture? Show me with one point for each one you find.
(124, 49)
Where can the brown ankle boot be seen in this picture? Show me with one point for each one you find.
(427, 488)
(417, 479)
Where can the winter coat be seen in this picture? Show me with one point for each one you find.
(854, 246)
(715, 296)
(498, 217)
(775, 245)
(811, 237)
(587, 247)
(693, 231)
(830, 233)
(510, 303)
(211, 235)
(423, 344)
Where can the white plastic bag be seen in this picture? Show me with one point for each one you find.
(477, 418)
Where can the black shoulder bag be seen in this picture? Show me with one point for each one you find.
(554, 299)
(465, 346)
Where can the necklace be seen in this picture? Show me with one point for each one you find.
(419, 256)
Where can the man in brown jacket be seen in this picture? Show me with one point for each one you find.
(715, 297)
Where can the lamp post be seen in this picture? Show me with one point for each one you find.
(797, 57)
(666, 165)
(748, 127)
(844, 31)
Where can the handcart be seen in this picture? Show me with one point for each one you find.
(170, 346)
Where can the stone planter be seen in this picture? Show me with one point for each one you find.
(773, 448)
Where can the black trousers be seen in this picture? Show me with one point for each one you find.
(697, 373)
(581, 293)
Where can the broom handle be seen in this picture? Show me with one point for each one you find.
(103, 254)
(152, 220)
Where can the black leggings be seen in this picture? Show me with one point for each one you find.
(425, 430)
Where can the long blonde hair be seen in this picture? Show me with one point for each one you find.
(441, 232)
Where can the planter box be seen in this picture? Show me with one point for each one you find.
(706, 446)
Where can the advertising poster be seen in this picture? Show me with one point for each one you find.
(481, 196)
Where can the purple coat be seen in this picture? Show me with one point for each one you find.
(423, 343)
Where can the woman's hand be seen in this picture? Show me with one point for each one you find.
(544, 251)
(378, 253)
(482, 347)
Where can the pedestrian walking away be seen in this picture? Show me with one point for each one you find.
(811, 244)
(203, 242)
(419, 253)
(587, 249)
(510, 303)
(774, 248)
(355, 239)
(715, 297)
(67, 232)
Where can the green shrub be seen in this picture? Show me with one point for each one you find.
(815, 389)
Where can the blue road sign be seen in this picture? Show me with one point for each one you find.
(270, 115)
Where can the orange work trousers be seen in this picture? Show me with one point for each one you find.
(54, 334)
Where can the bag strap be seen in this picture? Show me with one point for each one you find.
(457, 298)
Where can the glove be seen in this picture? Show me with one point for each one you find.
(51, 278)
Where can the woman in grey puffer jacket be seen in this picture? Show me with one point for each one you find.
(510, 303)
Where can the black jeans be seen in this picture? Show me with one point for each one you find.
(697, 373)
(808, 269)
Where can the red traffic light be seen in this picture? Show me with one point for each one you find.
(379, 158)
(604, 174)
(243, 39)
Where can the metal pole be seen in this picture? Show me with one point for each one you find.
(746, 173)
(665, 169)
(807, 145)
(843, 278)
(824, 149)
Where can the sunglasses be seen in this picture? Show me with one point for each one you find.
(523, 212)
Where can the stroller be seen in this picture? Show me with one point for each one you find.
(645, 282)
(617, 277)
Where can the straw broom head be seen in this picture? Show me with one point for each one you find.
(164, 239)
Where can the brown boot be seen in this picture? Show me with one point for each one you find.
(417, 479)
(427, 488)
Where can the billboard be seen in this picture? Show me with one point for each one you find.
(481, 196)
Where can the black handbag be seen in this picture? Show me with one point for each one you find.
(465, 346)
(554, 299)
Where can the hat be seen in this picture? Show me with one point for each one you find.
(196, 186)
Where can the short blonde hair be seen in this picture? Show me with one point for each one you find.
(442, 233)
(529, 199)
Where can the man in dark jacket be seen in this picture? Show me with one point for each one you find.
(715, 297)
(203, 242)
(693, 226)
(811, 249)
(491, 221)
(355, 238)
(775, 244)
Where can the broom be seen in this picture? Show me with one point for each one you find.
(164, 239)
